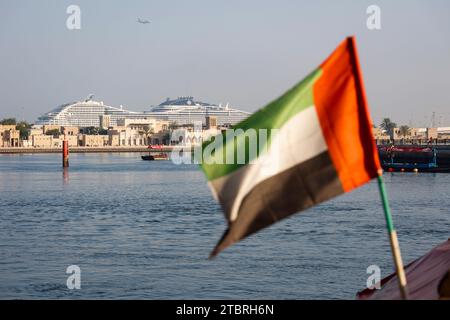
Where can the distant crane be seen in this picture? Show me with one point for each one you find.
(142, 21)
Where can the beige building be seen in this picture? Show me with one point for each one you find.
(41, 141)
(46, 128)
(38, 139)
(380, 136)
(70, 131)
(105, 121)
(162, 137)
(432, 133)
(6, 133)
(147, 124)
(46, 141)
(11, 138)
(188, 135)
(414, 135)
(138, 132)
(72, 140)
(26, 143)
(114, 137)
(35, 131)
(89, 140)
(211, 122)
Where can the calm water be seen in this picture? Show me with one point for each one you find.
(143, 230)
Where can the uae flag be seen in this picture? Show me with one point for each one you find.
(314, 143)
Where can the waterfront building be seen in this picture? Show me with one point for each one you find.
(186, 135)
(25, 143)
(41, 141)
(432, 133)
(412, 135)
(46, 141)
(9, 136)
(146, 125)
(192, 135)
(211, 122)
(35, 131)
(105, 121)
(51, 127)
(91, 140)
(162, 137)
(137, 132)
(115, 136)
(70, 131)
(38, 137)
(72, 140)
(380, 136)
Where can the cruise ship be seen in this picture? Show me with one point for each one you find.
(85, 114)
(183, 110)
(186, 110)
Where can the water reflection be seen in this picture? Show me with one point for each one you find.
(65, 175)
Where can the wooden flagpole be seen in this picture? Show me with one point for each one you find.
(395, 247)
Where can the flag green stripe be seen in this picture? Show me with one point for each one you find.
(272, 116)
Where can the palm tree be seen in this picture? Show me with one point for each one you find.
(388, 125)
(404, 131)
(146, 131)
(24, 129)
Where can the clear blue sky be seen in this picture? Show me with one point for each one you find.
(243, 52)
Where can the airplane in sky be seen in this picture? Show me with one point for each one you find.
(142, 21)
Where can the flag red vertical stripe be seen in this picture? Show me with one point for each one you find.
(344, 117)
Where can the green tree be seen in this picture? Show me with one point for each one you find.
(89, 130)
(388, 125)
(94, 131)
(404, 131)
(146, 131)
(8, 121)
(24, 128)
(53, 132)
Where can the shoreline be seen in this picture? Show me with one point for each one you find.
(24, 150)
(21, 150)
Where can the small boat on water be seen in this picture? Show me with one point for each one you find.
(428, 278)
(159, 156)
(156, 156)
